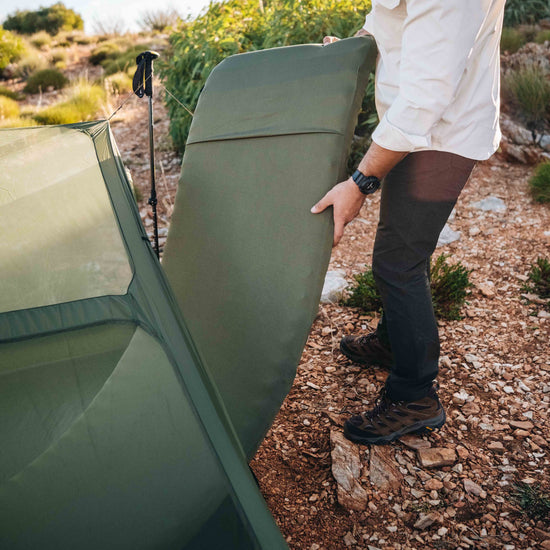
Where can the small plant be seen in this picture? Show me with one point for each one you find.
(16, 122)
(539, 279)
(6, 92)
(517, 12)
(364, 294)
(530, 91)
(449, 284)
(539, 184)
(106, 50)
(41, 39)
(8, 108)
(534, 501)
(11, 48)
(511, 40)
(449, 287)
(58, 55)
(542, 36)
(47, 78)
(119, 83)
(31, 62)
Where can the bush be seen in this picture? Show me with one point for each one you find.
(9, 108)
(158, 20)
(11, 48)
(530, 92)
(6, 92)
(449, 284)
(517, 12)
(512, 40)
(119, 83)
(83, 102)
(42, 80)
(58, 55)
(16, 122)
(238, 26)
(539, 279)
(542, 36)
(449, 287)
(53, 19)
(124, 61)
(40, 39)
(30, 63)
(106, 50)
(364, 294)
(539, 184)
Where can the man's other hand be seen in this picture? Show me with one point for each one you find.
(330, 40)
(346, 201)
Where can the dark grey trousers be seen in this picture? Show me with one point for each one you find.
(418, 196)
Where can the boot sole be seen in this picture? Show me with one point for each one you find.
(362, 361)
(420, 427)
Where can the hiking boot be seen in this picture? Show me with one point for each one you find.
(367, 349)
(389, 420)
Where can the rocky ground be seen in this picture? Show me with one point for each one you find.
(457, 488)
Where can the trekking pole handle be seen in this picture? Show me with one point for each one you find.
(144, 61)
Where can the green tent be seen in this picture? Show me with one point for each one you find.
(112, 435)
(245, 257)
(113, 425)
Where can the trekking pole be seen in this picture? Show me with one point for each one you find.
(143, 85)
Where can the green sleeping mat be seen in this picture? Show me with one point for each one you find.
(112, 436)
(245, 257)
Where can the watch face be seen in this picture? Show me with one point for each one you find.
(366, 184)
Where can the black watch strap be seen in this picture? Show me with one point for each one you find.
(366, 184)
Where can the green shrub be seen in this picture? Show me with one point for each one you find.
(539, 279)
(158, 20)
(119, 83)
(542, 36)
(517, 12)
(40, 39)
(6, 92)
(52, 19)
(31, 62)
(9, 108)
(58, 55)
(16, 122)
(11, 48)
(106, 50)
(238, 26)
(533, 500)
(82, 102)
(511, 40)
(124, 60)
(539, 184)
(364, 293)
(42, 80)
(530, 91)
(449, 286)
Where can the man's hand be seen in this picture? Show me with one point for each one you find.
(346, 201)
(331, 39)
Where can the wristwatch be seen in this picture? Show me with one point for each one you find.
(366, 184)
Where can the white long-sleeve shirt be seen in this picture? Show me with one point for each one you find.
(438, 75)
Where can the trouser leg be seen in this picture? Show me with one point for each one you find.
(417, 197)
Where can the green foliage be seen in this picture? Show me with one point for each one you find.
(449, 284)
(119, 83)
(106, 50)
(449, 287)
(83, 102)
(31, 62)
(8, 93)
(238, 26)
(52, 19)
(517, 12)
(530, 92)
(512, 40)
(40, 39)
(542, 36)
(364, 293)
(539, 184)
(534, 501)
(9, 108)
(158, 20)
(58, 55)
(123, 61)
(539, 279)
(11, 48)
(42, 80)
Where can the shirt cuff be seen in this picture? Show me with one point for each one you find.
(391, 137)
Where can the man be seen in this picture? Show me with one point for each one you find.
(437, 96)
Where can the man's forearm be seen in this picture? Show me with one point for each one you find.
(378, 161)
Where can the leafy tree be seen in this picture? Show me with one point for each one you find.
(11, 48)
(52, 19)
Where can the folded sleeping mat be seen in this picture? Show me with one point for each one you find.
(245, 257)
(111, 432)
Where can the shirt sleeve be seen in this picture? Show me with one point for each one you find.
(438, 38)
